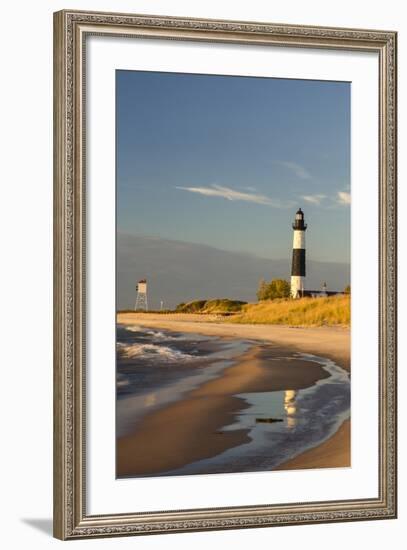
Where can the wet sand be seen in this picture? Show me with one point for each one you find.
(190, 429)
(332, 453)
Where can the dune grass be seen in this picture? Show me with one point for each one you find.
(215, 306)
(334, 310)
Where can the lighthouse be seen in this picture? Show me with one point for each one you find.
(298, 264)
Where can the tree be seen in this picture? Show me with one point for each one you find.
(277, 288)
(262, 290)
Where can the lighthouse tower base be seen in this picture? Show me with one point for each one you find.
(297, 286)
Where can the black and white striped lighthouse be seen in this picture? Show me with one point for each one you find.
(298, 265)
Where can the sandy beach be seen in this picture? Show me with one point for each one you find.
(197, 419)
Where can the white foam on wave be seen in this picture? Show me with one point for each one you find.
(131, 328)
(122, 382)
(149, 351)
(158, 335)
(154, 334)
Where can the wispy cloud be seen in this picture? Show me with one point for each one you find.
(234, 195)
(343, 197)
(314, 199)
(296, 168)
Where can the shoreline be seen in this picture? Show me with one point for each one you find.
(214, 404)
(330, 342)
(207, 410)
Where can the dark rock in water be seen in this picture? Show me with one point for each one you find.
(269, 420)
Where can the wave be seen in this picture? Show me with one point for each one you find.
(159, 336)
(122, 381)
(151, 351)
(154, 334)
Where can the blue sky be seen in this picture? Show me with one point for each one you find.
(226, 161)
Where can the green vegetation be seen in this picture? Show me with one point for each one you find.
(277, 288)
(142, 311)
(330, 311)
(222, 306)
(197, 306)
(334, 310)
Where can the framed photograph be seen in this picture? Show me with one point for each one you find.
(225, 274)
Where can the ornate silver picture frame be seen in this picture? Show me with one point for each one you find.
(71, 517)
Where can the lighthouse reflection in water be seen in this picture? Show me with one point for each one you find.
(290, 408)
